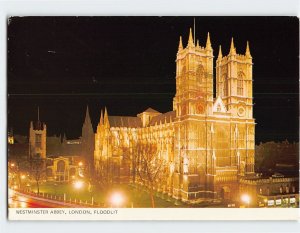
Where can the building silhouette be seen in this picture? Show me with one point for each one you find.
(88, 142)
(37, 139)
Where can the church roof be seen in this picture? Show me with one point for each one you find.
(168, 116)
(125, 121)
(151, 110)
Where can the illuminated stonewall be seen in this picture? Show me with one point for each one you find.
(205, 144)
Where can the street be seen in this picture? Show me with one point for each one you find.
(18, 200)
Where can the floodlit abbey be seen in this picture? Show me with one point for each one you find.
(200, 150)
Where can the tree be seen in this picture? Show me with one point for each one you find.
(150, 168)
(38, 170)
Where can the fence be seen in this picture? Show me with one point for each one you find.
(63, 200)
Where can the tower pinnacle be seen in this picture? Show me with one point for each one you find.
(180, 47)
(248, 54)
(220, 53)
(208, 44)
(105, 120)
(232, 48)
(87, 115)
(101, 118)
(191, 41)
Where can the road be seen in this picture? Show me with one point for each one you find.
(18, 200)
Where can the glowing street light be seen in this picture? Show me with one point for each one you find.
(78, 184)
(80, 164)
(23, 177)
(246, 199)
(117, 199)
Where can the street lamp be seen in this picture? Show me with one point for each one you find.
(78, 184)
(246, 199)
(117, 199)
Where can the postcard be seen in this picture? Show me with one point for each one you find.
(153, 118)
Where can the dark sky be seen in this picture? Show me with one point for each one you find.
(61, 64)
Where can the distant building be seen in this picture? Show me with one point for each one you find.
(63, 168)
(273, 191)
(37, 139)
(10, 137)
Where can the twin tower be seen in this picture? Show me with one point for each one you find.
(194, 79)
(214, 134)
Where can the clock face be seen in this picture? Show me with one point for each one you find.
(241, 111)
(200, 108)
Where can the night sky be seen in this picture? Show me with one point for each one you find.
(61, 64)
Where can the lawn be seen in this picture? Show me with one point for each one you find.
(133, 196)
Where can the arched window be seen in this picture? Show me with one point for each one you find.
(61, 166)
(225, 89)
(225, 85)
(200, 73)
(240, 87)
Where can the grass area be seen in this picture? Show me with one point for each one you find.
(134, 196)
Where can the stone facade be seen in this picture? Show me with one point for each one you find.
(37, 139)
(271, 191)
(62, 169)
(205, 143)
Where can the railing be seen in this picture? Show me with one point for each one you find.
(267, 181)
(63, 199)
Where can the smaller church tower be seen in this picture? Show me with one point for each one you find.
(88, 142)
(37, 138)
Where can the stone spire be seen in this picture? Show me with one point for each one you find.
(105, 121)
(191, 41)
(87, 115)
(248, 54)
(101, 118)
(232, 48)
(208, 44)
(197, 44)
(180, 47)
(220, 53)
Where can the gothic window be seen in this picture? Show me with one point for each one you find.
(240, 87)
(225, 85)
(287, 189)
(61, 166)
(225, 88)
(38, 140)
(200, 73)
